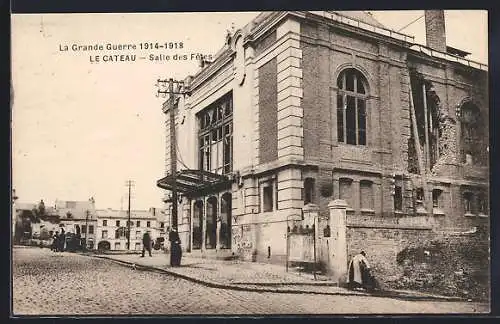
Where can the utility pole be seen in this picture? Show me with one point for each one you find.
(169, 106)
(129, 184)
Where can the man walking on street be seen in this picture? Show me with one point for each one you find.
(146, 244)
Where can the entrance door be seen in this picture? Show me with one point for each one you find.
(197, 224)
(226, 216)
(211, 234)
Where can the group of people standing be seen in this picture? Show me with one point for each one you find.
(58, 241)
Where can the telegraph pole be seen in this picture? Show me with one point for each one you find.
(129, 184)
(173, 150)
(170, 106)
(86, 228)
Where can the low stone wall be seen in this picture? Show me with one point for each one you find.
(420, 258)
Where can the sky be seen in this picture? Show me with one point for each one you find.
(81, 129)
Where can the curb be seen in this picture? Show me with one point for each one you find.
(244, 287)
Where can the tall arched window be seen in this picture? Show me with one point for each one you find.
(351, 107)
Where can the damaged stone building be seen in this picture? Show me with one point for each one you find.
(306, 107)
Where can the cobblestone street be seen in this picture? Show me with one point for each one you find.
(49, 283)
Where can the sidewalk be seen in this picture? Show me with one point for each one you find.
(251, 276)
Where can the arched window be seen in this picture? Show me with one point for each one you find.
(351, 107)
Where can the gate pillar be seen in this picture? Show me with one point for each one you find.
(338, 226)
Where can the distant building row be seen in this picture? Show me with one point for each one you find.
(103, 228)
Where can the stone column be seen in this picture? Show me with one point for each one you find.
(338, 226)
(218, 223)
(204, 222)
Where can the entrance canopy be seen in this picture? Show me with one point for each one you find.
(192, 181)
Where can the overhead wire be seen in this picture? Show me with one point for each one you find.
(412, 22)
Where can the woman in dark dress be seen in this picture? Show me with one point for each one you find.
(175, 248)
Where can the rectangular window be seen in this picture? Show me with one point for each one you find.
(482, 203)
(117, 245)
(104, 234)
(467, 199)
(118, 223)
(267, 198)
(138, 223)
(148, 224)
(366, 194)
(104, 223)
(91, 229)
(84, 229)
(345, 191)
(309, 191)
(398, 198)
(436, 194)
(420, 194)
(162, 225)
(138, 234)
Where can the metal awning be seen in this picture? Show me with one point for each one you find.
(191, 181)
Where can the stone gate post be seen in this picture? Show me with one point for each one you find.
(311, 212)
(338, 226)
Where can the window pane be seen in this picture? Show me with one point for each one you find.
(308, 191)
(436, 193)
(268, 198)
(359, 84)
(398, 198)
(351, 120)
(345, 190)
(361, 122)
(340, 118)
(197, 224)
(366, 193)
(340, 81)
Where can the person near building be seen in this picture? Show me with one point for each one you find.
(175, 248)
(359, 273)
(55, 242)
(146, 244)
(62, 241)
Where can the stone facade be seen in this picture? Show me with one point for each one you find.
(289, 76)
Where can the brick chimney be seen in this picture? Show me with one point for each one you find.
(435, 33)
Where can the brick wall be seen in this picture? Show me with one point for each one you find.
(268, 115)
(265, 42)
